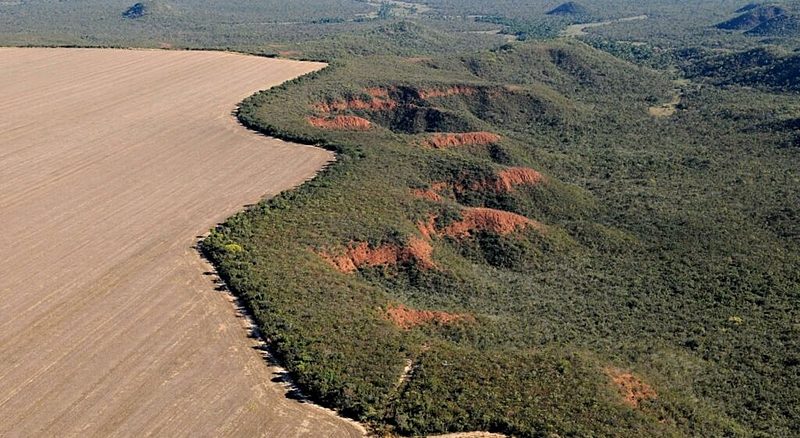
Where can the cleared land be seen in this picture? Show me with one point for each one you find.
(111, 163)
(577, 30)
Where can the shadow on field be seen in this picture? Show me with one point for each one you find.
(280, 375)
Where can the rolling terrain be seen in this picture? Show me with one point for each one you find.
(582, 223)
(112, 162)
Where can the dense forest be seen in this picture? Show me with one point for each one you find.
(523, 233)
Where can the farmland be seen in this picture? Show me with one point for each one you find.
(112, 162)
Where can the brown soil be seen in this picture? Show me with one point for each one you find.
(352, 123)
(428, 227)
(375, 104)
(407, 318)
(516, 176)
(503, 182)
(377, 92)
(428, 194)
(667, 109)
(632, 389)
(457, 90)
(491, 220)
(359, 255)
(438, 186)
(445, 140)
(112, 162)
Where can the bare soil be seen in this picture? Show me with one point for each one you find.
(667, 109)
(407, 318)
(446, 140)
(632, 389)
(577, 30)
(352, 123)
(112, 162)
(487, 219)
(360, 254)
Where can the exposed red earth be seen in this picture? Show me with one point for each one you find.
(446, 140)
(112, 162)
(352, 123)
(516, 176)
(376, 104)
(407, 318)
(358, 255)
(632, 388)
(491, 220)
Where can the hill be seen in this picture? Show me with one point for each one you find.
(769, 68)
(569, 8)
(489, 230)
(147, 8)
(747, 7)
(138, 10)
(780, 26)
(752, 18)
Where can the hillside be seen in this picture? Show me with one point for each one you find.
(752, 18)
(747, 7)
(769, 68)
(521, 250)
(780, 26)
(569, 9)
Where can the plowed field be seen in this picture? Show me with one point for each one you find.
(112, 162)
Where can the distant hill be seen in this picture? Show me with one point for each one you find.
(747, 7)
(754, 17)
(780, 26)
(770, 68)
(136, 11)
(145, 8)
(569, 8)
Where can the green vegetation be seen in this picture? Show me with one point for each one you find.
(664, 247)
(667, 249)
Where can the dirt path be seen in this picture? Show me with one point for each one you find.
(577, 30)
(111, 163)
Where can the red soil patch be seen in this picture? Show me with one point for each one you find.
(504, 181)
(355, 104)
(632, 388)
(428, 227)
(288, 53)
(428, 194)
(514, 176)
(438, 186)
(407, 318)
(456, 90)
(377, 92)
(445, 140)
(354, 123)
(491, 220)
(361, 255)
